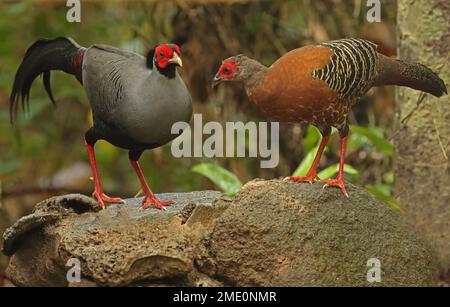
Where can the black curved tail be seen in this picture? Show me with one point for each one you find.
(413, 75)
(43, 56)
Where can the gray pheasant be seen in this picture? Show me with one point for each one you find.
(134, 99)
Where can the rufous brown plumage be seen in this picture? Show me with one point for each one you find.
(318, 85)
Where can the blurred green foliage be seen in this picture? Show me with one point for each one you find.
(223, 179)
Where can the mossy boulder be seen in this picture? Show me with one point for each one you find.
(277, 233)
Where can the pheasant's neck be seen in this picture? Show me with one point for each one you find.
(254, 73)
(169, 72)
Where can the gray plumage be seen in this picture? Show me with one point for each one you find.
(134, 105)
(136, 102)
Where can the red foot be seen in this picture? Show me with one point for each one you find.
(101, 197)
(307, 178)
(151, 200)
(339, 182)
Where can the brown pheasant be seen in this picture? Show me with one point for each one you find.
(319, 84)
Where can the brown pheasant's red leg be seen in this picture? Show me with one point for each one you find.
(311, 176)
(98, 191)
(339, 181)
(149, 199)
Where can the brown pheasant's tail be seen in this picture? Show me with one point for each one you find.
(413, 75)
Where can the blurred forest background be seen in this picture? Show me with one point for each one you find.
(44, 155)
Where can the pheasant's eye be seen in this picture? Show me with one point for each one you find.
(226, 70)
(161, 54)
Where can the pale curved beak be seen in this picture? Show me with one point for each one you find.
(176, 60)
(217, 80)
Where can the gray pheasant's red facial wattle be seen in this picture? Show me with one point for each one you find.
(168, 54)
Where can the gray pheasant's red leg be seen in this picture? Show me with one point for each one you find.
(98, 191)
(149, 198)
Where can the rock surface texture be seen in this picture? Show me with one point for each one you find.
(273, 233)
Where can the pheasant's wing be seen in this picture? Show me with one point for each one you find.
(107, 73)
(352, 68)
(120, 52)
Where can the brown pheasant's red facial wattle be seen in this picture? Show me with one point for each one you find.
(227, 70)
(166, 54)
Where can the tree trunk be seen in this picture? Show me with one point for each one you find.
(423, 143)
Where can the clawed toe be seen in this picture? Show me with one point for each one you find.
(102, 197)
(153, 201)
(336, 183)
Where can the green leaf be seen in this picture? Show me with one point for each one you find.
(355, 141)
(334, 169)
(9, 167)
(311, 139)
(377, 140)
(304, 166)
(222, 178)
(389, 177)
(17, 8)
(383, 193)
(105, 153)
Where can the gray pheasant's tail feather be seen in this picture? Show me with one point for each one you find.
(43, 56)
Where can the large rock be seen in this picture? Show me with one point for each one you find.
(272, 233)
(118, 246)
(279, 233)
